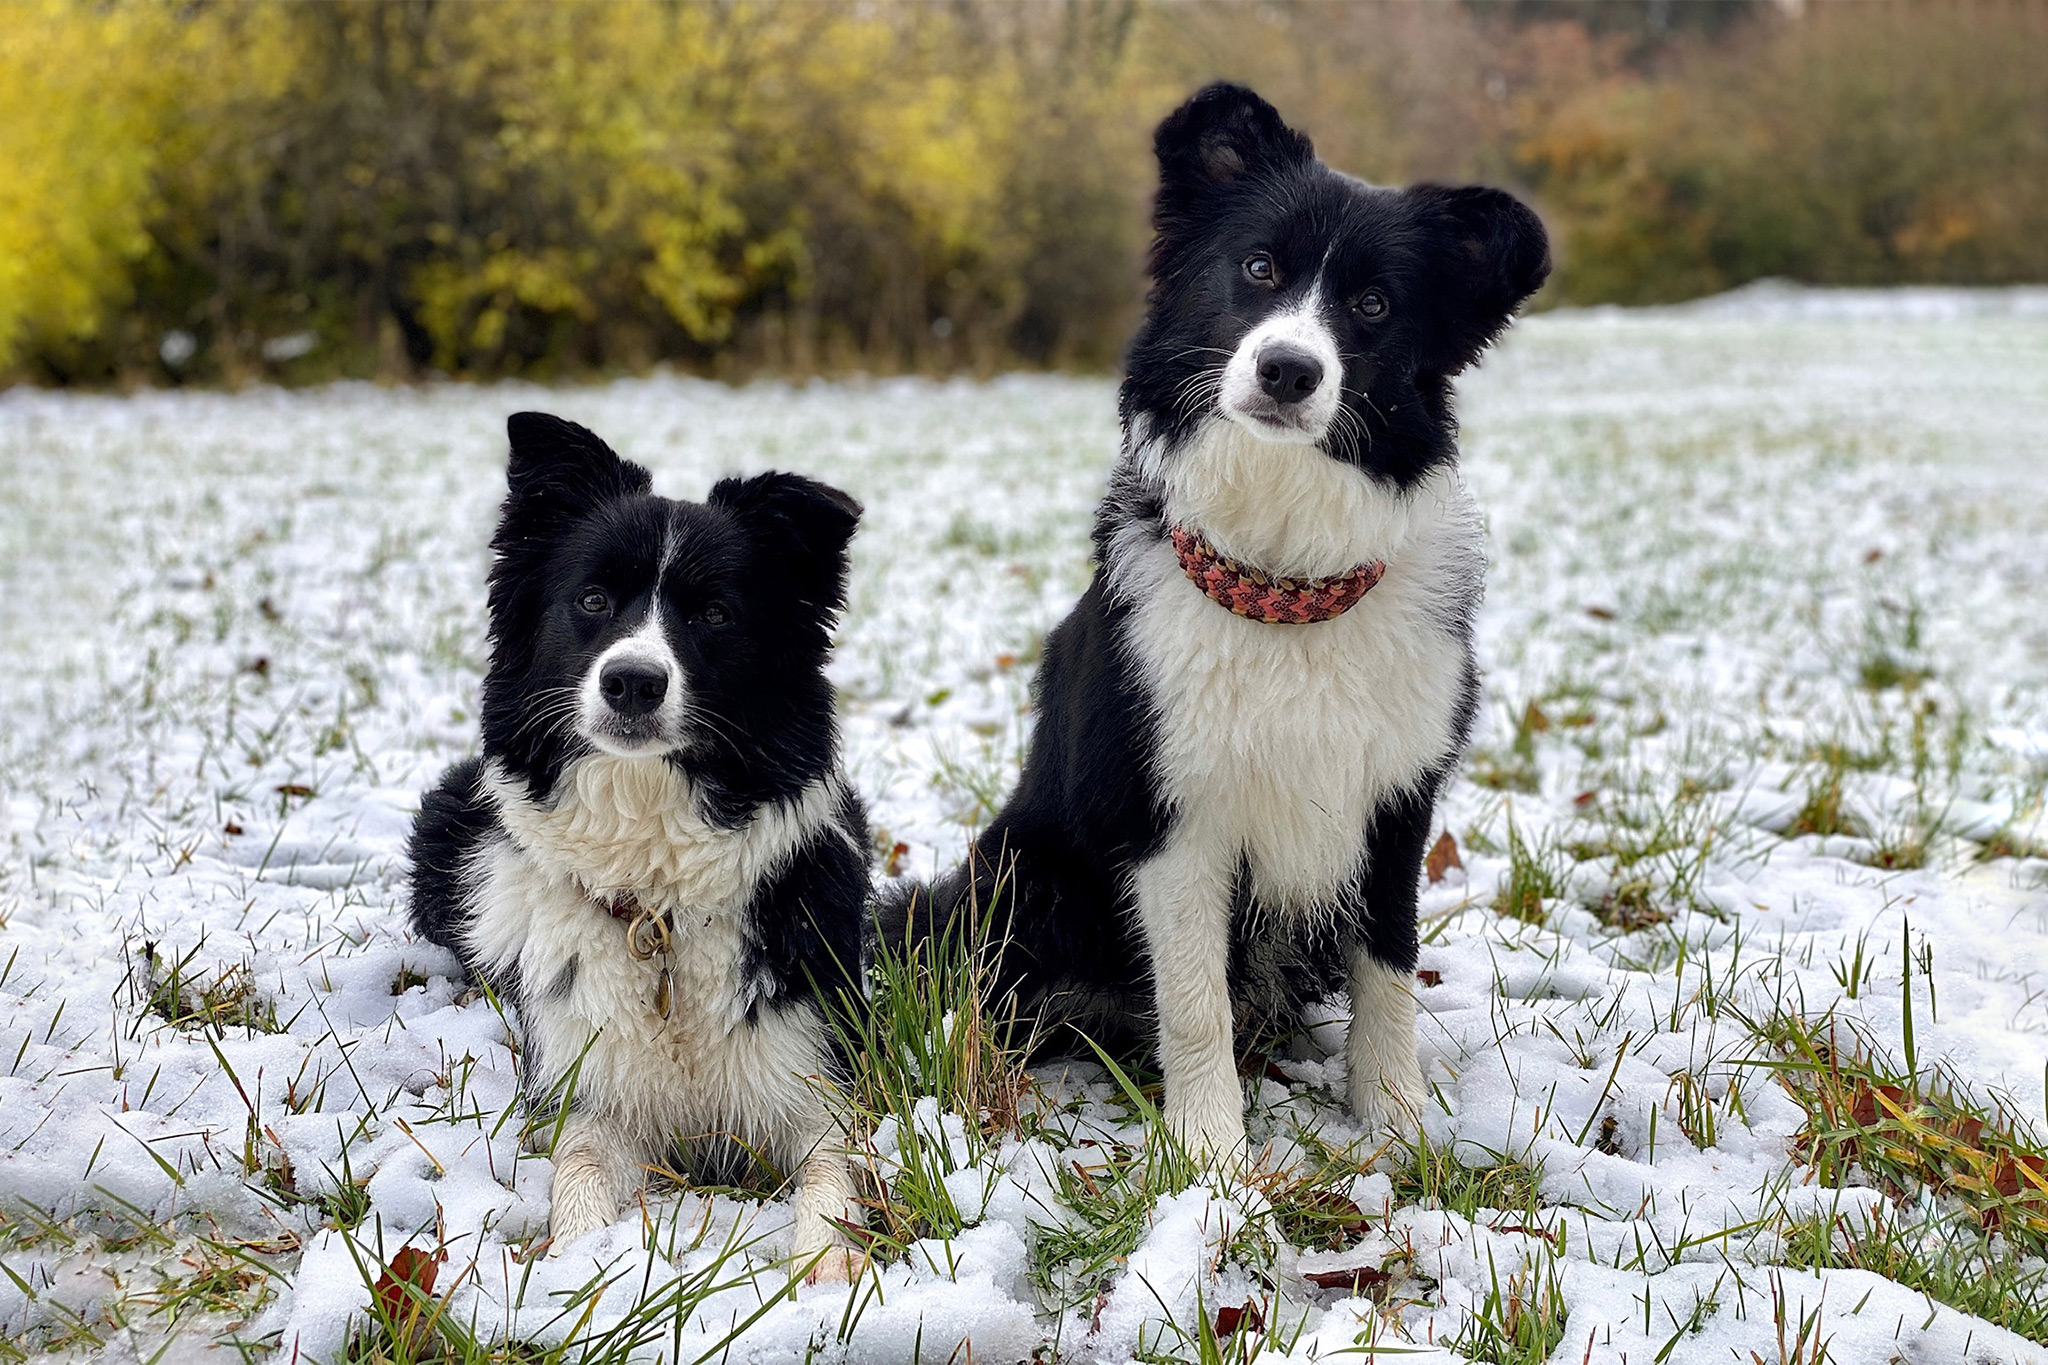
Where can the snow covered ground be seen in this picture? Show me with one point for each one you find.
(1766, 650)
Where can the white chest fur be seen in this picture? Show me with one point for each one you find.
(632, 825)
(1280, 740)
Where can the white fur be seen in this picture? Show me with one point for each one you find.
(1243, 401)
(1277, 742)
(594, 718)
(633, 825)
(1183, 899)
(1287, 508)
(1379, 1051)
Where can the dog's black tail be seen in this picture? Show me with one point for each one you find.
(972, 910)
(903, 913)
(911, 910)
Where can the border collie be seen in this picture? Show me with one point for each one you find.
(1243, 726)
(657, 861)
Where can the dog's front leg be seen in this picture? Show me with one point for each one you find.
(1184, 905)
(596, 1167)
(824, 1205)
(1386, 1080)
(1379, 1052)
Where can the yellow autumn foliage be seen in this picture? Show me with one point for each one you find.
(81, 103)
(229, 189)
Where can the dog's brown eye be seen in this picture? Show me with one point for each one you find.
(714, 614)
(1371, 304)
(1258, 267)
(594, 602)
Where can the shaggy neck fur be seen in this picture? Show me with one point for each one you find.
(635, 825)
(1286, 508)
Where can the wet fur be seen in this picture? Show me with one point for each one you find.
(725, 811)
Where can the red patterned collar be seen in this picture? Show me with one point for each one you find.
(1260, 597)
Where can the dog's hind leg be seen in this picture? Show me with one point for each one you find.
(1183, 895)
(596, 1168)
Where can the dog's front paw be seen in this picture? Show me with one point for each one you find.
(837, 1265)
(1388, 1101)
(579, 1210)
(1212, 1128)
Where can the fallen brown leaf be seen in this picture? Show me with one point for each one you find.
(410, 1266)
(1337, 1219)
(1358, 1279)
(1228, 1320)
(1443, 856)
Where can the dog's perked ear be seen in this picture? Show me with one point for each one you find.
(802, 526)
(1222, 137)
(1490, 250)
(560, 472)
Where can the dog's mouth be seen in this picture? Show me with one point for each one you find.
(623, 738)
(1269, 421)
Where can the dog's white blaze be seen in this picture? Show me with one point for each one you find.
(1278, 742)
(647, 645)
(633, 825)
(1242, 400)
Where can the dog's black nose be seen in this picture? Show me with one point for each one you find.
(632, 688)
(1288, 374)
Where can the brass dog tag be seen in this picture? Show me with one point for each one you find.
(648, 937)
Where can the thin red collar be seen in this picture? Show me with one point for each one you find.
(620, 905)
(1260, 597)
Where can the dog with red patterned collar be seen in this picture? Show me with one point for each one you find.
(1243, 726)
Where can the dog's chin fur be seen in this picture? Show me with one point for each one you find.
(546, 861)
(1230, 812)
(654, 749)
(1284, 506)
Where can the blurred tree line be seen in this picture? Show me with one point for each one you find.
(222, 190)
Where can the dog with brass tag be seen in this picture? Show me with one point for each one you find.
(657, 862)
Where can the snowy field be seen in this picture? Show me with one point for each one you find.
(1748, 928)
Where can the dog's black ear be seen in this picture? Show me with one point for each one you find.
(560, 471)
(805, 527)
(1223, 136)
(1491, 251)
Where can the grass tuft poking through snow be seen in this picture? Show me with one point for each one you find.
(1734, 985)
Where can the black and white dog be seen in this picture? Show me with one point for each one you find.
(1243, 726)
(657, 861)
